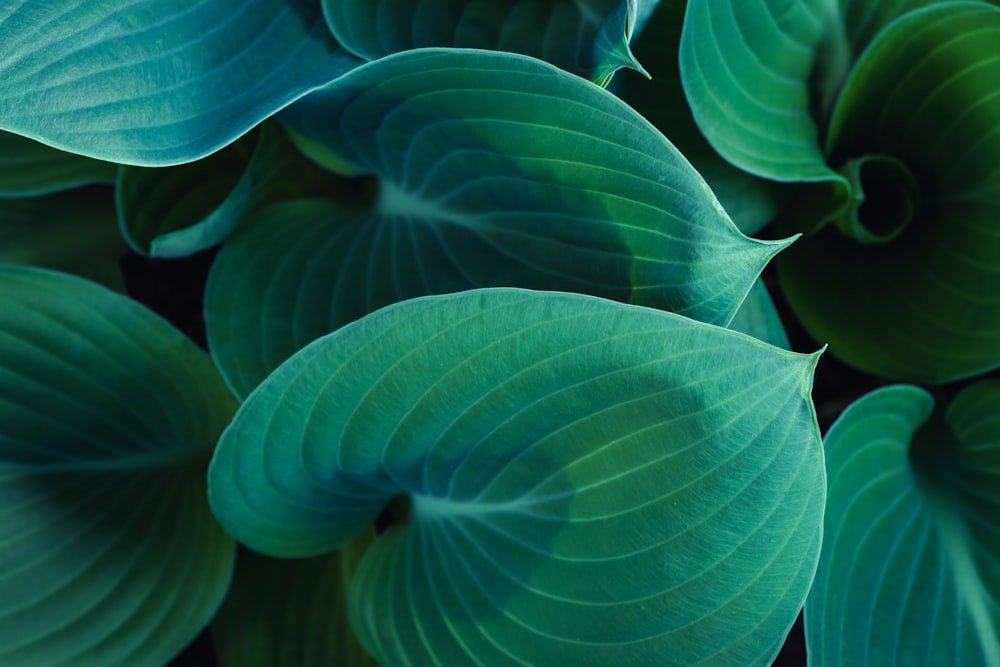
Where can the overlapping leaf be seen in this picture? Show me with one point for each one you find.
(922, 105)
(586, 37)
(155, 82)
(758, 317)
(751, 202)
(493, 169)
(290, 612)
(178, 211)
(71, 231)
(910, 569)
(573, 479)
(28, 168)
(109, 554)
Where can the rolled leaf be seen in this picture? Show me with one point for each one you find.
(588, 37)
(108, 417)
(919, 115)
(572, 479)
(493, 169)
(157, 82)
(178, 211)
(910, 569)
(28, 168)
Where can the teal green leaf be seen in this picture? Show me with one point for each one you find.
(910, 569)
(72, 231)
(108, 418)
(28, 168)
(586, 37)
(181, 210)
(747, 70)
(493, 169)
(572, 479)
(290, 612)
(157, 82)
(751, 202)
(759, 318)
(919, 114)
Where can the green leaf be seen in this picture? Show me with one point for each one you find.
(72, 231)
(157, 82)
(747, 69)
(494, 169)
(290, 612)
(28, 168)
(919, 114)
(751, 202)
(108, 417)
(588, 37)
(178, 211)
(573, 480)
(910, 569)
(759, 318)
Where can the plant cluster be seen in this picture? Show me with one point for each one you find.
(491, 375)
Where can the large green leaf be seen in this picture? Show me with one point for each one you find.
(28, 168)
(155, 82)
(71, 231)
(109, 554)
(752, 202)
(290, 612)
(573, 480)
(493, 169)
(587, 37)
(910, 569)
(912, 292)
(178, 211)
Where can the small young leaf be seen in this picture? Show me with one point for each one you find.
(108, 417)
(910, 568)
(157, 82)
(572, 479)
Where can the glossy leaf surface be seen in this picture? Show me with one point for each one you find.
(157, 82)
(290, 612)
(28, 168)
(923, 306)
(573, 479)
(910, 569)
(108, 416)
(493, 169)
(588, 37)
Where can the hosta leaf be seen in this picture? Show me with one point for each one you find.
(751, 202)
(156, 82)
(922, 106)
(28, 168)
(72, 231)
(586, 37)
(108, 416)
(290, 612)
(493, 169)
(910, 569)
(747, 69)
(573, 479)
(178, 211)
(759, 318)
